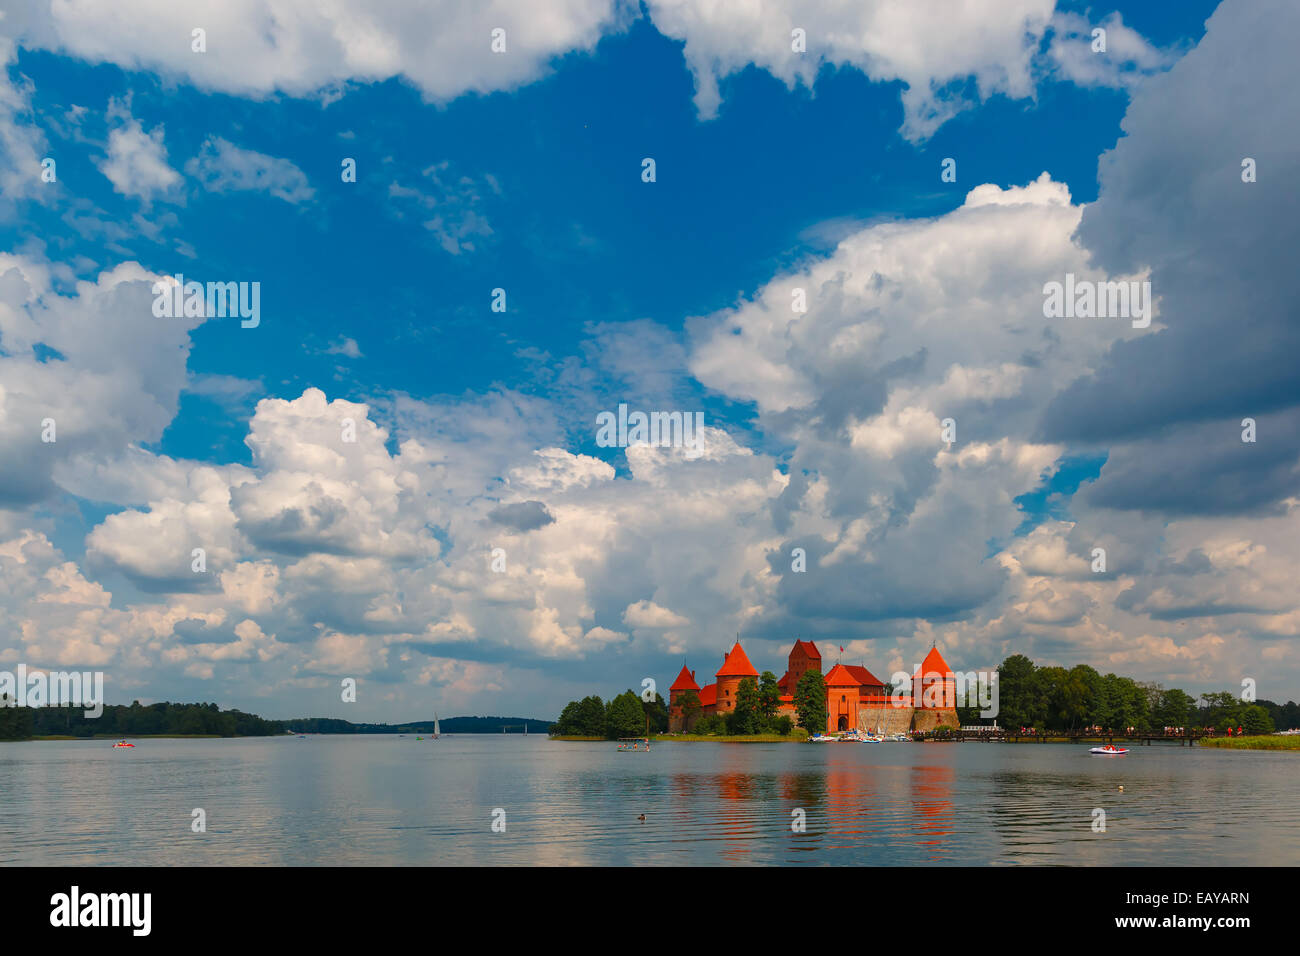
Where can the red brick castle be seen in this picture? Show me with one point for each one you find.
(855, 698)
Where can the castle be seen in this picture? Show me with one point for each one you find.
(855, 698)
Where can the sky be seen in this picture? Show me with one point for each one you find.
(392, 481)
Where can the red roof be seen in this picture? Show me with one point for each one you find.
(737, 664)
(841, 677)
(709, 695)
(864, 676)
(809, 648)
(685, 681)
(784, 682)
(934, 664)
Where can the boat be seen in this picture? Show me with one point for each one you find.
(1109, 751)
(419, 738)
(822, 739)
(630, 744)
(437, 728)
(123, 743)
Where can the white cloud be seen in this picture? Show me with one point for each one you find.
(136, 163)
(929, 45)
(302, 47)
(222, 166)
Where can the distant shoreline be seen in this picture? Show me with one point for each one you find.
(695, 738)
(1288, 743)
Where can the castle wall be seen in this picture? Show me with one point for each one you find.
(928, 719)
(904, 720)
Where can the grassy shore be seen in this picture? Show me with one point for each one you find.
(795, 736)
(131, 737)
(1290, 742)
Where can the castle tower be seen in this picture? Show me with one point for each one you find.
(843, 690)
(804, 657)
(735, 668)
(934, 693)
(685, 681)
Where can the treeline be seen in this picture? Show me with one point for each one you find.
(627, 715)
(1054, 698)
(119, 720)
(449, 725)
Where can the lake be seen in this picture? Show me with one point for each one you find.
(387, 800)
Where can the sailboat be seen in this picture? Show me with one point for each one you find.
(437, 729)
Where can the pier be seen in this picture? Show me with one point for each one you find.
(1006, 735)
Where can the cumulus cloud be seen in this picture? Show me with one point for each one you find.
(302, 47)
(136, 163)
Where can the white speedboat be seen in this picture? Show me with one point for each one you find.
(822, 739)
(1109, 751)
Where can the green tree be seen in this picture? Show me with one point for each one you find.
(657, 711)
(1017, 692)
(591, 717)
(1176, 708)
(810, 701)
(567, 725)
(711, 725)
(769, 697)
(744, 718)
(689, 702)
(624, 716)
(1255, 720)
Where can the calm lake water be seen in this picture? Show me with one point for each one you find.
(348, 800)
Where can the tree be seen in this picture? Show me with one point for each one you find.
(744, 718)
(1017, 692)
(624, 716)
(591, 717)
(689, 702)
(568, 725)
(657, 711)
(1255, 720)
(769, 697)
(810, 701)
(1176, 709)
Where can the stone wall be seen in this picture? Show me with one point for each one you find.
(903, 720)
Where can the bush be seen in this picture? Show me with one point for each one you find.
(712, 725)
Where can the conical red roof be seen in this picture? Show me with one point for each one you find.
(685, 681)
(737, 664)
(934, 664)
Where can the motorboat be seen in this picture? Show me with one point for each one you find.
(123, 743)
(1109, 751)
(823, 739)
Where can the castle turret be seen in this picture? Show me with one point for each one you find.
(842, 692)
(685, 682)
(934, 694)
(735, 668)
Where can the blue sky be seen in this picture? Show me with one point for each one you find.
(378, 293)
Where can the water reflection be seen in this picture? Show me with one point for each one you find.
(390, 801)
